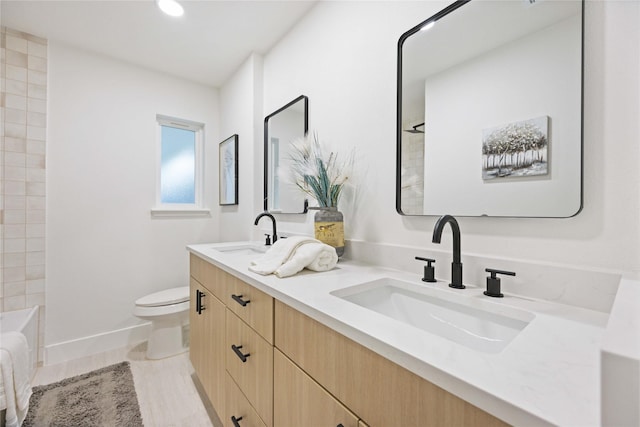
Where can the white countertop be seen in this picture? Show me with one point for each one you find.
(548, 374)
(620, 359)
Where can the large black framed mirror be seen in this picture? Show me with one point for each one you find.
(489, 110)
(283, 126)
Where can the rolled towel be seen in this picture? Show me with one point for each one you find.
(279, 252)
(315, 256)
(289, 256)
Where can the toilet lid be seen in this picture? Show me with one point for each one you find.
(166, 297)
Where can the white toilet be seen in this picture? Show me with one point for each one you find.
(168, 312)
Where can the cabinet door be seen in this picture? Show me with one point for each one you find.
(210, 276)
(239, 412)
(300, 401)
(196, 326)
(378, 390)
(250, 364)
(207, 343)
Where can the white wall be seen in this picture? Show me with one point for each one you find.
(241, 99)
(343, 56)
(104, 250)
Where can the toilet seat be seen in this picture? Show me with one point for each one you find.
(158, 311)
(166, 297)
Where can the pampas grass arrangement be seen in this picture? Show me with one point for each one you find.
(319, 173)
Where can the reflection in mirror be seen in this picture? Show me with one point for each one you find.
(490, 111)
(282, 127)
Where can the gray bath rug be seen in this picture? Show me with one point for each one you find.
(101, 398)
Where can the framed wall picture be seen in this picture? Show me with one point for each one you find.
(517, 149)
(228, 169)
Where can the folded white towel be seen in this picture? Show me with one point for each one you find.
(289, 256)
(14, 367)
(3, 396)
(315, 256)
(279, 252)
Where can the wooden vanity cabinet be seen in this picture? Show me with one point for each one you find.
(206, 318)
(381, 392)
(235, 314)
(250, 364)
(313, 377)
(254, 307)
(239, 409)
(300, 401)
(209, 276)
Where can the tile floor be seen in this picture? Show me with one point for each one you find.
(169, 394)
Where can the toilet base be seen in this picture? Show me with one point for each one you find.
(167, 337)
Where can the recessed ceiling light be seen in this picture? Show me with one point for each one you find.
(170, 7)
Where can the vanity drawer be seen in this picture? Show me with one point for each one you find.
(238, 408)
(249, 361)
(208, 275)
(251, 305)
(364, 381)
(301, 401)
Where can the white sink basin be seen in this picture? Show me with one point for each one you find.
(470, 321)
(247, 249)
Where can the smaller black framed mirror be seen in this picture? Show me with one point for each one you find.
(285, 125)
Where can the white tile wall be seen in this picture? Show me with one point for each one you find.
(413, 169)
(23, 72)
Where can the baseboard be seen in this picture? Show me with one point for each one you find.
(94, 344)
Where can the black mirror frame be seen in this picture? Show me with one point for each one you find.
(442, 13)
(233, 139)
(266, 148)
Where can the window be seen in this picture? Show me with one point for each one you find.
(180, 175)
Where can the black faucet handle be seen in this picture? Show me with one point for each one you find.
(493, 272)
(429, 272)
(493, 282)
(267, 240)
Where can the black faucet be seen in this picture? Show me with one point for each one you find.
(456, 265)
(267, 214)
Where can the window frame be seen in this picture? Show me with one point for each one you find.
(181, 209)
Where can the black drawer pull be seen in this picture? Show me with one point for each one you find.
(239, 300)
(340, 425)
(236, 350)
(199, 306)
(202, 307)
(235, 420)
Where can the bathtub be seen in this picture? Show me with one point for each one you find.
(26, 322)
